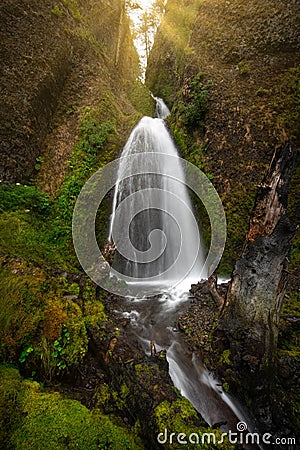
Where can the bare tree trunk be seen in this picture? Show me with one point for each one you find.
(256, 292)
(122, 13)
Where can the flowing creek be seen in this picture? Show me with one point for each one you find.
(153, 318)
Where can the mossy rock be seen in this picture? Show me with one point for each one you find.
(41, 327)
(34, 418)
(178, 418)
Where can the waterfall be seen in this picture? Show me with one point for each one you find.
(166, 242)
(164, 226)
(161, 109)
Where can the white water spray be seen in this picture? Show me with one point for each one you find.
(163, 229)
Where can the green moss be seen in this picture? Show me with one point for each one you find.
(92, 138)
(177, 417)
(34, 227)
(73, 7)
(57, 11)
(111, 401)
(37, 419)
(39, 326)
(124, 391)
(23, 234)
(174, 416)
(287, 388)
(287, 101)
(103, 398)
(10, 385)
(291, 304)
(243, 67)
(140, 98)
(146, 370)
(238, 206)
(225, 357)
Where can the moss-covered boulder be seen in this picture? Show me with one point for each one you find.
(44, 319)
(34, 418)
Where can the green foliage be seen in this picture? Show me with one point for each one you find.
(291, 304)
(39, 326)
(27, 235)
(177, 416)
(243, 68)
(180, 138)
(38, 229)
(195, 103)
(225, 387)
(36, 419)
(57, 11)
(72, 5)
(25, 353)
(17, 196)
(225, 357)
(26, 224)
(73, 337)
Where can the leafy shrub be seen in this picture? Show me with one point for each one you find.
(195, 103)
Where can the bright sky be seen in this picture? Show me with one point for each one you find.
(135, 16)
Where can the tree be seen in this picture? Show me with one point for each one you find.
(149, 21)
(146, 30)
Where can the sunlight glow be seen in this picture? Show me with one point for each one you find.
(136, 15)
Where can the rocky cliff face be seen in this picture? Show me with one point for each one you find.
(244, 57)
(51, 53)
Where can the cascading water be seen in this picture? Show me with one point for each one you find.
(152, 318)
(161, 109)
(172, 233)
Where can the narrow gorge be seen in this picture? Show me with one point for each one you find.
(149, 243)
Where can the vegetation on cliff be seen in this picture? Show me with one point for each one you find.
(243, 61)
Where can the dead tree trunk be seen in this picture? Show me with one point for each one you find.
(256, 292)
